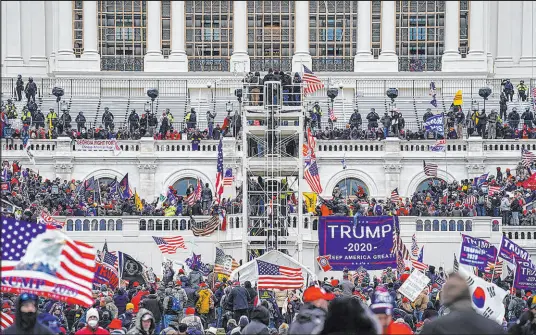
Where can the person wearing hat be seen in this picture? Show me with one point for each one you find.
(462, 317)
(382, 307)
(116, 327)
(26, 317)
(126, 318)
(192, 320)
(203, 303)
(311, 316)
(145, 323)
(92, 327)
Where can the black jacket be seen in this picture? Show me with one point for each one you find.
(16, 328)
(154, 306)
(462, 320)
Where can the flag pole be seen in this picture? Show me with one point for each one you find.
(494, 266)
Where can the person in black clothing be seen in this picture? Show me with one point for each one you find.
(513, 119)
(30, 90)
(39, 119)
(527, 117)
(65, 122)
(108, 119)
(503, 105)
(152, 304)
(26, 317)
(355, 120)
(20, 87)
(80, 121)
(133, 121)
(296, 89)
(286, 81)
(373, 118)
(252, 295)
(427, 115)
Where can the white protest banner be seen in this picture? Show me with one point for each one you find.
(414, 285)
(98, 145)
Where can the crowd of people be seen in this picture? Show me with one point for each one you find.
(187, 302)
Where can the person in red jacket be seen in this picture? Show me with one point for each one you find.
(92, 327)
(382, 306)
(137, 298)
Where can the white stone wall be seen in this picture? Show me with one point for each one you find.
(39, 42)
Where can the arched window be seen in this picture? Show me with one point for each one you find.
(105, 181)
(425, 184)
(182, 185)
(350, 186)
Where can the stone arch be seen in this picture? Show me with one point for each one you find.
(186, 173)
(105, 173)
(420, 177)
(351, 173)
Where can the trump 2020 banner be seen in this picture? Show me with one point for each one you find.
(367, 244)
(44, 261)
(525, 275)
(477, 252)
(105, 274)
(512, 252)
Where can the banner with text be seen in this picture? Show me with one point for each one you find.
(525, 275)
(512, 252)
(105, 274)
(435, 124)
(414, 285)
(367, 243)
(98, 145)
(477, 252)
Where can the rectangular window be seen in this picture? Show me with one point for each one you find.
(165, 42)
(78, 27)
(465, 7)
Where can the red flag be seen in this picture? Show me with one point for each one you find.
(323, 261)
(530, 183)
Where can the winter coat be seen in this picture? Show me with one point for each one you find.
(121, 300)
(126, 318)
(239, 298)
(347, 288)
(152, 304)
(138, 329)
(203, 302)
(462, 319)
(136, 300)
(194, 278)
(16, 327)
(190, 295)
(310, 320)
(260, 318)
(87, 331)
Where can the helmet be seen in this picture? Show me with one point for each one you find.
(106, 108)
(80, 112)
(19, 76)
(522, 82)
(30, 79)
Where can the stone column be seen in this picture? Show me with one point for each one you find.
(363, 56)
(65, 41)
(388, 60)
(477, 59)
(38, 60)
(392, 176)
(154, 61)
(178, 58)
(91, 55)
(504, 36)
(13, 61)
(240, 58)
(147, 170)
(301, 37)
(528, 48)
(451, 55)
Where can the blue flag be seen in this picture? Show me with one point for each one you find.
(421, 255)
(89, 184)
(124, 188)
(435, 124)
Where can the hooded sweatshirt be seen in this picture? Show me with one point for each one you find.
(260, 317)
(20, 328)
(138, 329)
(121, 300)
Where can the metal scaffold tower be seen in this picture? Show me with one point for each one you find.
(272, 138)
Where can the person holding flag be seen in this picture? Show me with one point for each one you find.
(26, 317)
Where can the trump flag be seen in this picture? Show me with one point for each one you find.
(46, 262)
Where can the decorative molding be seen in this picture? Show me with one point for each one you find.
(147, 167)
(392, 167)
(63, 167)
(475, 167)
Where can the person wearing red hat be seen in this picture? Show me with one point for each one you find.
(192, 320)
(311, 316)
(115, 324)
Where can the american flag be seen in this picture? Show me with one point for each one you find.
(7, 320)
(312, 81)
(456, 265)
(196, 194)
(414, 246)
(313, 178)
(498, 267)
(493, 189)
(49, 221)
(228, 178)
(111, 259)
(419, 265)
(169, 245)
(331, 114)
(394, 195)
(272, 276)
(219, 173)
(205, 228)
(49, 257)
(430, 169)
(470, 200)
(221, 259)
(527, 157)
(398, 244)
(311, 140)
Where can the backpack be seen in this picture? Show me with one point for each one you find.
(176, 305)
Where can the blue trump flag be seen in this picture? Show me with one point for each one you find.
(477, 252)
(435, 124)
(367, 244)
(124, 188)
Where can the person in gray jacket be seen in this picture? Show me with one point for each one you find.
(260, 318)
(195, 277)
(210, 122)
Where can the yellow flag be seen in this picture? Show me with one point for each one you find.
(458, 99)
(137, 202)
(310, 201)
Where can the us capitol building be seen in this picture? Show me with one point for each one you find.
(197, 54)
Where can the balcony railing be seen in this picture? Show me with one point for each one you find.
(419, 63)
(333, 64)
(122, 63)
(208, 65)
(275, 63)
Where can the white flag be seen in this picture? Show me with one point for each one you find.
(487, 298)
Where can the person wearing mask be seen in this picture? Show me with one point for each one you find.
(260, 318)
(92, 326)
(372, 119)
(107, 119)
(144, 324)
(382, 307)
(508, 89)
(65, 122)
(355, 120)
(30, 90)
(210, 122)
(26, 317)
(126, 317)
(191, 119)
(462, 318)
(20, 87)
(527, 117)
(522, 90)
(133, 121)
(312, 314)
(513, 119)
